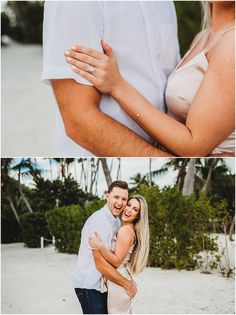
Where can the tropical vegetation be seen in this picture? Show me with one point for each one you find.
(183, 217)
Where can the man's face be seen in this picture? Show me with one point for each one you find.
(117, 200)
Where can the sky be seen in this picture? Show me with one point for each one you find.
(129, 168)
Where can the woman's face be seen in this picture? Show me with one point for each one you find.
(131, 211)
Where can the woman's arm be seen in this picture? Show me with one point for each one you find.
(211, 116)
(123, 242)
(95, 131)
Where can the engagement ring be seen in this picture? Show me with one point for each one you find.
(91, 69)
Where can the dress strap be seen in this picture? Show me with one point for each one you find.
(199, 36)
(217, 39)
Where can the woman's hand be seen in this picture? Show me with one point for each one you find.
(95, 241)
(100, 69)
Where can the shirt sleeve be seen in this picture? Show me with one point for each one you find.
(67, 23)
(101, 226)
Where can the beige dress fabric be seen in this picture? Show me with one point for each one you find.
(183, 85)
(118, 302)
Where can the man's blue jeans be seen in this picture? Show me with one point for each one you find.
(92, 301)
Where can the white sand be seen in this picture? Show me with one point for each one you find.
(28, 118)
(40, 281)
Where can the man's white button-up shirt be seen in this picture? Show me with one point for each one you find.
(143, 35)
(103, 222)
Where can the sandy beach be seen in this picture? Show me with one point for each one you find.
(41, 281)
(28, 117)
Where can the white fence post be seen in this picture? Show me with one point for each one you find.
(41, 242)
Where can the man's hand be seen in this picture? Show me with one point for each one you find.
(131, 290)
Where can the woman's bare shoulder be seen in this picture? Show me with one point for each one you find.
(222, 55)
(125, 231)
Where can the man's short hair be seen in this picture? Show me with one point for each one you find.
(118, 183)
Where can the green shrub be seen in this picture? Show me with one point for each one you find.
(34, 226)
(66, 223)
(93, 205)
(179, 226)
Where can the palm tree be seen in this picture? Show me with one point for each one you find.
(177, 164)
(150, 171)
(94, 174)
(118, 174)
(209, 169)
(26, 168)
(138, 180)
(106, 171)
(6, 166)
(64, 166)
(188, 187)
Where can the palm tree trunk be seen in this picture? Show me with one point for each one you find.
(118, 175)
(150, 171)
(94, 171)
(106, 171)
(14, 210)
(188, 187)
(213, 163)
(25, 199)
(181, 176)
(50, 165)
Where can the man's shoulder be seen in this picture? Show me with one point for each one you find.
(97, 215)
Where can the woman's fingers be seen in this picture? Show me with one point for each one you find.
(82, 57)
(88, 51)
(81, 65)
(91, 78)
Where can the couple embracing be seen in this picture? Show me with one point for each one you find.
(111, 251)
(128, 95)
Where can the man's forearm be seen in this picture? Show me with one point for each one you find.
(95, 131)
(104, 136)
(108, 270)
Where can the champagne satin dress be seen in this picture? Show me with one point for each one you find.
(184, 83)
(118, 302)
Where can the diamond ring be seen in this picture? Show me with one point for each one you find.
(91, 69)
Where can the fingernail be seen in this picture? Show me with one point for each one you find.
(73, 67)
(67, 52)
(73, 47)
(68, 58)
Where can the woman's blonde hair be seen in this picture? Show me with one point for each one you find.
(140, 253)
(206, 14)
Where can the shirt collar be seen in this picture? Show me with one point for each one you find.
(110, 216)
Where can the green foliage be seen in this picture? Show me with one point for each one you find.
(5, 24)
(34, 226)
(178, 227)
(27, 21)
(66, 223)
(189, 22)
(10, 230)
(63, 193)
(93, 205)
(223, 188)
